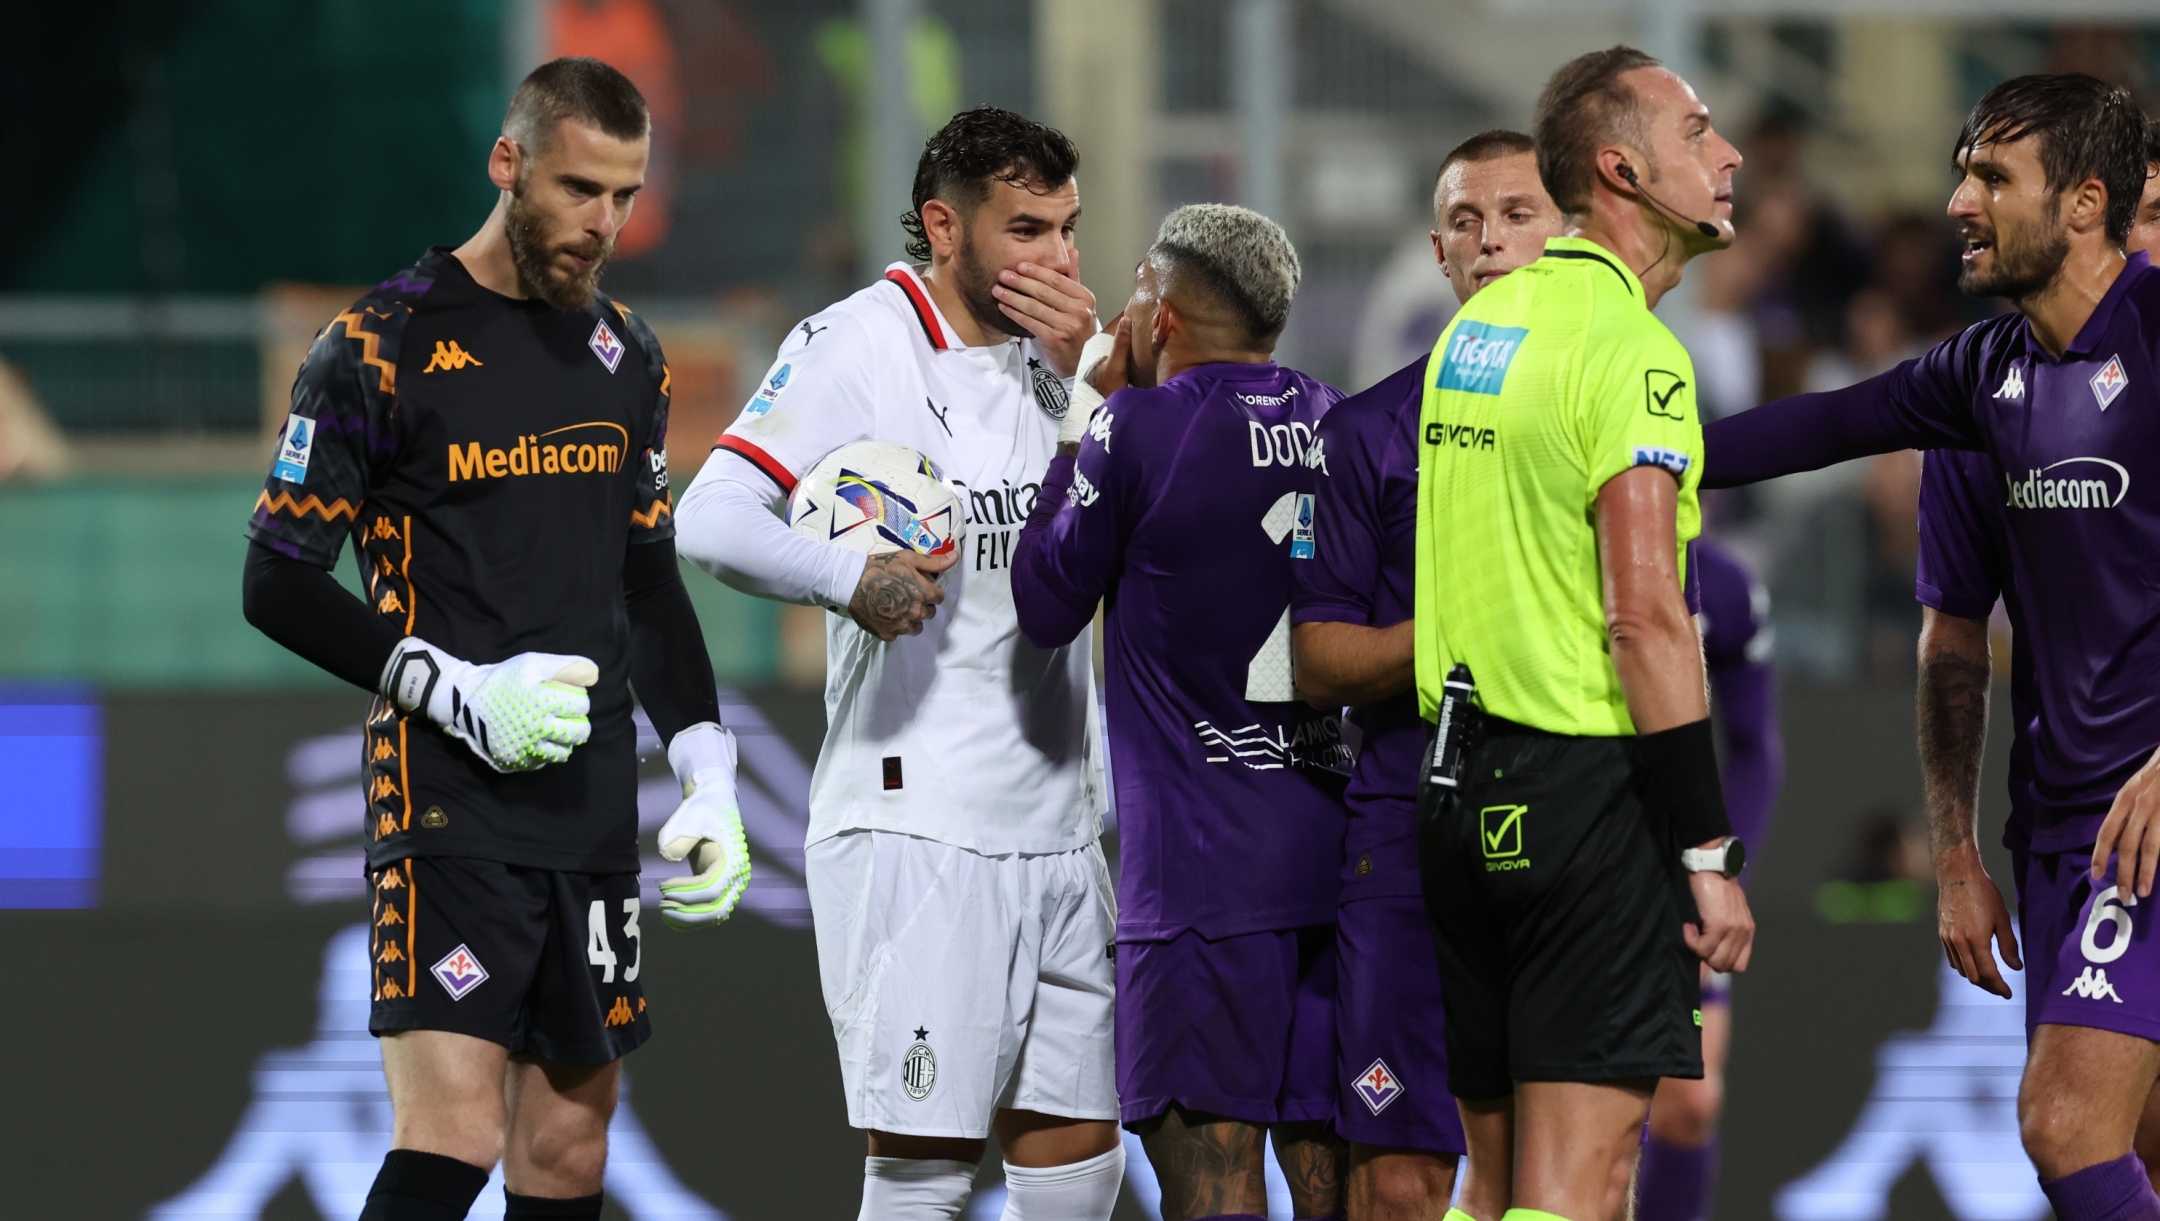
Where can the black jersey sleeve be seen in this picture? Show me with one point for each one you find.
(305, 609)
(340, 434)
(652, 512)
(669, 668)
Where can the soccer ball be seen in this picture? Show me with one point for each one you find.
(877, 497)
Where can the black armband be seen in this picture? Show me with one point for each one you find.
(1681, 782)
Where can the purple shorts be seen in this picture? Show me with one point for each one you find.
(1242, 1027)
(1391, 1058)
(2089, 960)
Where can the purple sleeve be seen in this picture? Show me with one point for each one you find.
(1957, 572)
(1921, 404)
(1073, 545)
(1336, 584)
(1754, 751)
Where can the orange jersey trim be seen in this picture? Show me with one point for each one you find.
(283, 502)
(652, 516)
(370, 350)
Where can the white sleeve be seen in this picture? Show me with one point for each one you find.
(729, 525)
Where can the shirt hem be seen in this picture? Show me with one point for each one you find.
(1220, 928)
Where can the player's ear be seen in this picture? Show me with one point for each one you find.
(2085, 205)
(1167, 319)
(505, 161)
(941, 228)
(1618, 168)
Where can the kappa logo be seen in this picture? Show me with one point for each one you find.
(449, 357)
(1099, 428)
(2109, 382)
(605, 346)
(1377, 1086)
(2092, 984)
(918, 1068)
(2013, 384)
(1500, 835)
(459, 973)
(619, 1013)
(1661, 394)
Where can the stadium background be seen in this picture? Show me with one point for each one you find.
(205, 181)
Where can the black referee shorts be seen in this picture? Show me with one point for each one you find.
(544, 962)
(1557, 903)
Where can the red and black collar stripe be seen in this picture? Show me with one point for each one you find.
(923, 313)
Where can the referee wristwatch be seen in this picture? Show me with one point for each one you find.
(1728, 858)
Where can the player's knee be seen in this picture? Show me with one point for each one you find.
(1406, 1186)
(2051, 1131)
(569, 1154)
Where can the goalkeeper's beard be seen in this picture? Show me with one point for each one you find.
(538, 274)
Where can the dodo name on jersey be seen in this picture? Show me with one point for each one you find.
(536, 455)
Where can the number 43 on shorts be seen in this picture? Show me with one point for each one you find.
(599, 953)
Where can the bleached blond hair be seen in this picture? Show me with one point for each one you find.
(1236, 255)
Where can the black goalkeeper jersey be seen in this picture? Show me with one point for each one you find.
(490, 459)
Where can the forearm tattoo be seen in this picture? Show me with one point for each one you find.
(1953, 731)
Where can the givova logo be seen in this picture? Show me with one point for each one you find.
(2090, 483)
(1478, 356)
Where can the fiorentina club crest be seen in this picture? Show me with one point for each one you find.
(605, 346)
(1378, 1087)
(459, 973)
(2109, 381)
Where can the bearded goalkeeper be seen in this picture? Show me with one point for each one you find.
(489, 430)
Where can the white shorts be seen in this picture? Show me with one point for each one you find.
(961, 984)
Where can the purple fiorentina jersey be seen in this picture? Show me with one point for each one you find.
(1182, 512)
(2073, 441)
(1359, 571)
(1736, 632)
(1964, 560)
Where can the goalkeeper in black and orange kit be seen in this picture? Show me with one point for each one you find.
(489, 430)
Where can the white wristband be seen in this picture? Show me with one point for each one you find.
(702, 747)
(1085, 397)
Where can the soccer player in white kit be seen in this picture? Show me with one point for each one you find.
(963, 911)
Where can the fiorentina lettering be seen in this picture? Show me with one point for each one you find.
(1461, 436)
(2073, 490)
(533, 455)
(1279, 444)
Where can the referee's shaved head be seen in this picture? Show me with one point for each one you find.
(579, 88)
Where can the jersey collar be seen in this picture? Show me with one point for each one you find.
(2089, 336)
(935, 329)
(1584, 248)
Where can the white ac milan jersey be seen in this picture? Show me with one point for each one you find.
(966, 734)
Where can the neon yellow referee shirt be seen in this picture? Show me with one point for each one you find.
(1547, 384)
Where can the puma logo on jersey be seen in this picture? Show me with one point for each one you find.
(449, 356)
(940, 413)
(811, 332)
(2092, 984)
(2013, 386)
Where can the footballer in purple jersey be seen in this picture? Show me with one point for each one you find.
(1351, 618)
(2061, 397)
(1180, 513)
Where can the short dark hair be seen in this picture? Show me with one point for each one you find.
(2087, 129)
(980, 146)
(1485, 146)
(2152, 141)
(575, 87)
(1583, 106)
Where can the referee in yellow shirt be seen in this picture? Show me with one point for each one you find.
(1582, 870)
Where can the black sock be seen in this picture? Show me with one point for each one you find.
(540, 1208)
(415, 1186)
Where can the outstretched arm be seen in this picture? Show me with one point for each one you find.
(1910, 407)
(1954, 673)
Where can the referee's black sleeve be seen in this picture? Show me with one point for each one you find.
(669, 668)
(305, 609)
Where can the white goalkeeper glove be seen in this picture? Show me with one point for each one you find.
(707, 828)
(518, 715)
(1085, 397)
